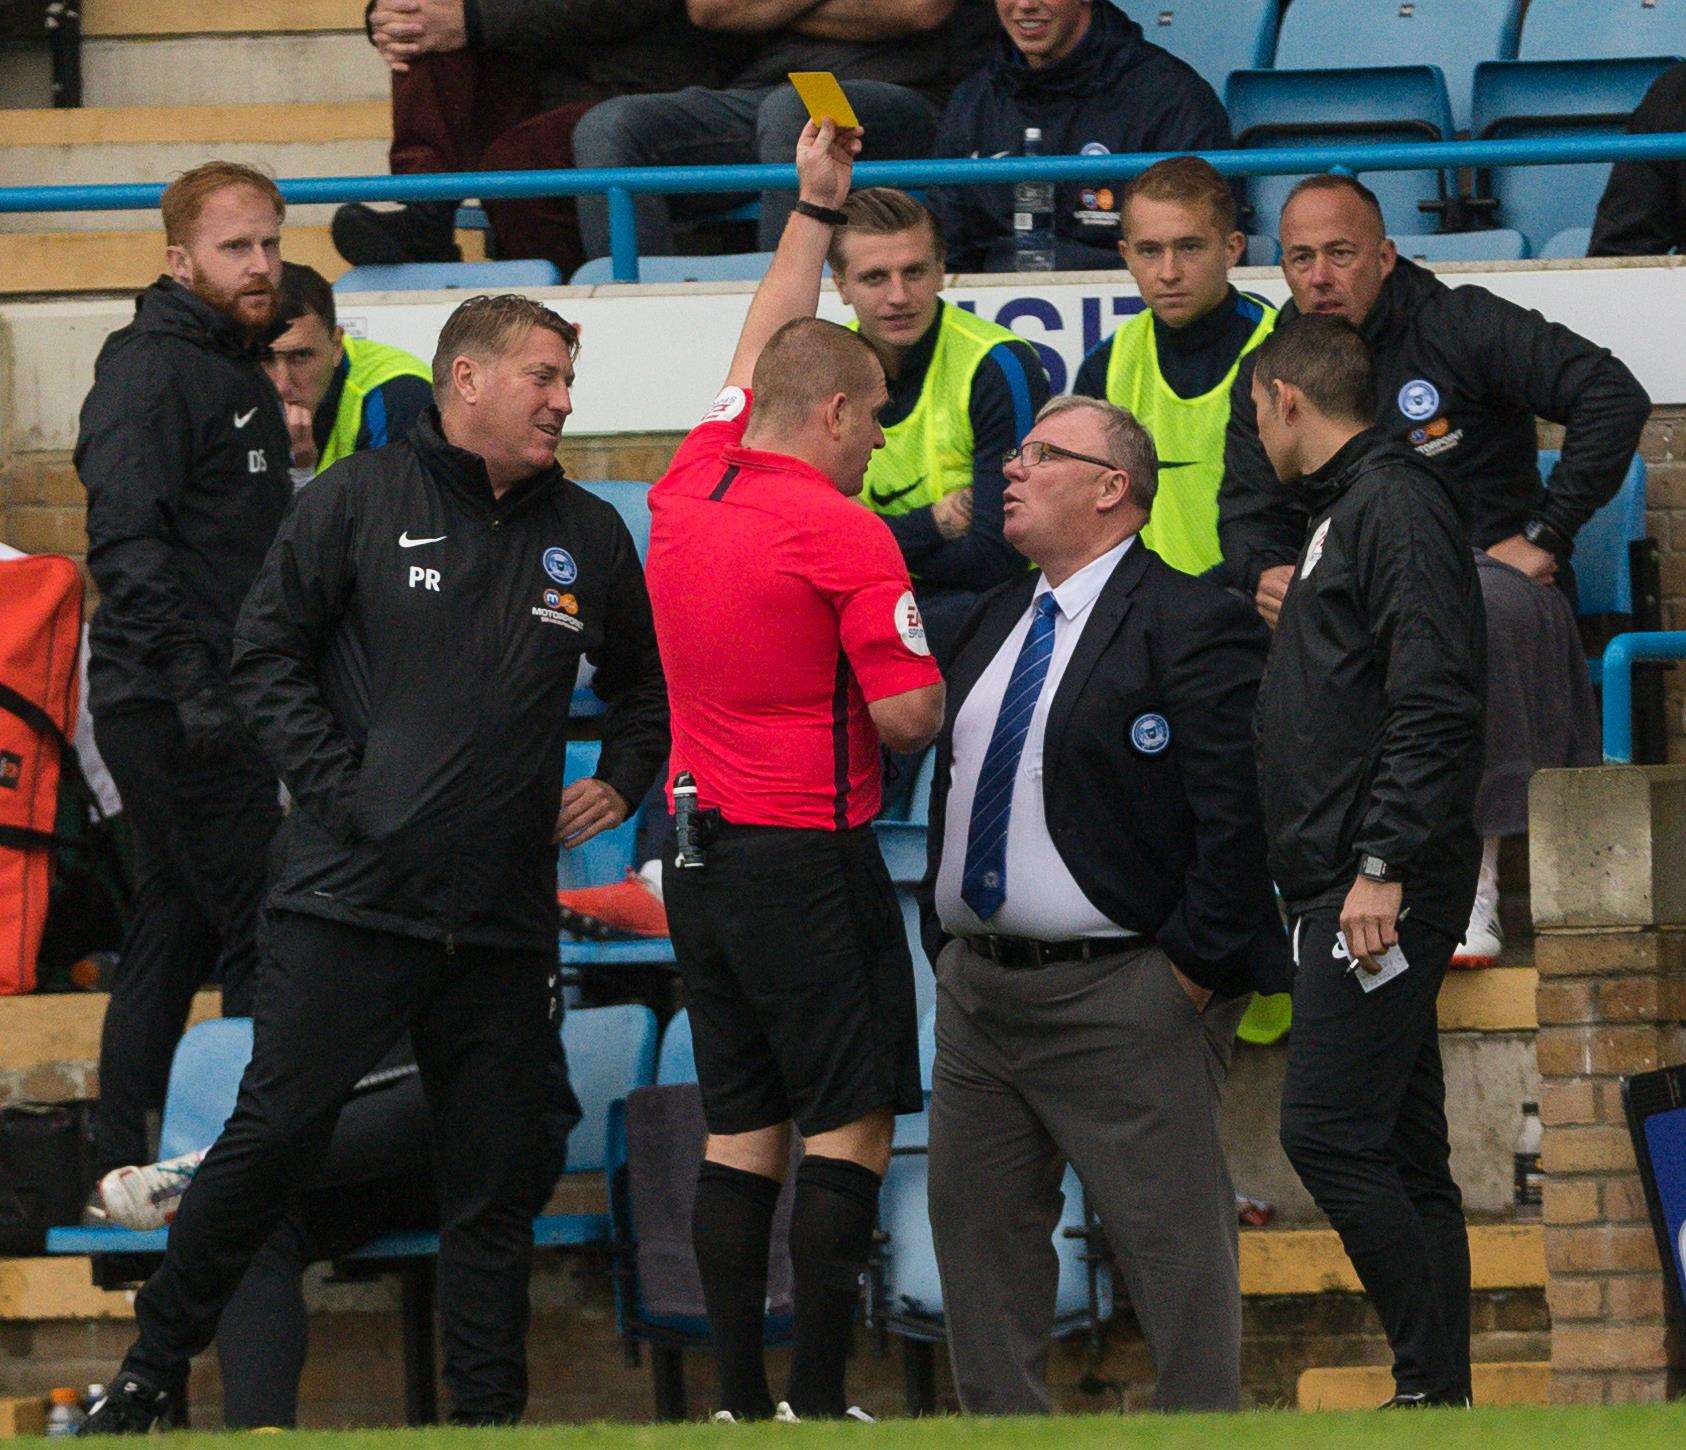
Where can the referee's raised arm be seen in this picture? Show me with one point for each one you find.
(825, 160)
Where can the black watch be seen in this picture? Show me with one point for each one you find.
(1373, 868)
(827, 214)
(1544, 536)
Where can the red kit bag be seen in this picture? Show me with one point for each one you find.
(40, 634)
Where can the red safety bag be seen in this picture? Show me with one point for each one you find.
(40, 634)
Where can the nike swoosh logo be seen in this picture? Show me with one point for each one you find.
(242, 419)
(1180, 463)
(889, 497)
(406, 542)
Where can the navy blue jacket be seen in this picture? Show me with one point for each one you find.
(1115, 92)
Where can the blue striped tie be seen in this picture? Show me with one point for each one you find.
(983, 885)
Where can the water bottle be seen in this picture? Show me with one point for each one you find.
(64, 1412)
(1033, 215)
(1529, 1178)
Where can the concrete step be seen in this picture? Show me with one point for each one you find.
(50, 1045)
(1364, 1386)
(127, 18)
(227, 69)
(106, 144)
(57, 1288)
(1312, 1261)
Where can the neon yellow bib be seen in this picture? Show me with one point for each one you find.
(1189, 435)
(929, 453)
(372, 363)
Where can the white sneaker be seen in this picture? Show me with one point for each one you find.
(147, 1197)
(723, 1417)
(1484, 938)
(860, 1416)
(784, 1415)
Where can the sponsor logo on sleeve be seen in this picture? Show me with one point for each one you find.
(910, 626)
(726, 406)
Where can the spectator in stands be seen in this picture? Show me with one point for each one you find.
(498, 85)
(183, 451)
(1173, 364)
(898, 59)
(1460, 376)
(1643, 210)
(1083, 73)
(963, 392)
(340, 393)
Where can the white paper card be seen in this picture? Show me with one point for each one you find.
(1392, 964)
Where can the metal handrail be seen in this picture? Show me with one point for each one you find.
(1620, 656)
(620, 184)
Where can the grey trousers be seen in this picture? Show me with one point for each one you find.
(1105, 1065)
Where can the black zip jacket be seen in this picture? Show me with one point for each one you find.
(1116, 92)
(1460, 376)
(184, 453)
(1643, 210)
(1369, 723)
(406, 659)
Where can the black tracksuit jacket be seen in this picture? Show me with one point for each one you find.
(406, 658)
(184, 453)
(1369, 722)
(1460, 376)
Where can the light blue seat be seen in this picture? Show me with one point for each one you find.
(730, 267)
(632, 502)
(1300, 108)
(1602, 29)
(901, 829)
(924, 978)
(1216, 37)
(204, 1081)
(1548, 99)
(1452, 35)
(1604, 552)
(450, 276)
(1498, 245)
(1261, 251)
(604, 859)
(611, 1051)
(677, 1060)
(1570, 242)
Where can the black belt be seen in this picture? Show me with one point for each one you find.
(1023, 953)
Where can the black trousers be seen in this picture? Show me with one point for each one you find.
(202, 827)
(377, 1178)
(331, 1003)
(1364, 1124)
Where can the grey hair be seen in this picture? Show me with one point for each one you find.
(1128, 444)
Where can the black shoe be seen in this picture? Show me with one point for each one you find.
(423, 231)
(1420, 1401)
(131, 1407)
(482, 1420)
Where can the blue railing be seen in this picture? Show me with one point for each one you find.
(619, 186)
(1620, 656)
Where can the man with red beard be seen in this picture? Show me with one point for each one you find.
(183, 450)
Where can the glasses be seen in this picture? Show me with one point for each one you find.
(1036, 451)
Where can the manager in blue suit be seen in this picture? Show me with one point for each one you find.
(1100, 914)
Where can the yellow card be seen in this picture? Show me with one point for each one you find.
(823, 97)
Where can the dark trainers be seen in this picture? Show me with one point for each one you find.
(423, 231)
(130, 1407)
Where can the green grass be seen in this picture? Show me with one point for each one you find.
(1647, 1426)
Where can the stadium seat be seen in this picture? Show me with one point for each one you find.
(450, 276)
(204, 1081)
(611, 1051)
(1570, 242)
(1262, 251)
(1216, 37)
(1602, 29)
(924, 978)
(1603, 563)
(632, 501)
(731, 267)
(604, 859)
(1498, 245)
(677, 1060)
(1303, 108)
(1451, 35)
(1548, 99)
(901, 828)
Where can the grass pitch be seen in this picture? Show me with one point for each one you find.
(1646, 1427)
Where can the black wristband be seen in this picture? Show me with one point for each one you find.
(827, 214)
(1548, 537)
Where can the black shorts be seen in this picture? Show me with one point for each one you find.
(797, 978)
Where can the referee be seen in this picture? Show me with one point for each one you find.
(1369, 732)
(793, 650)
(406, 658)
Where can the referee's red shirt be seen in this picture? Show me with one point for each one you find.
(781, 608)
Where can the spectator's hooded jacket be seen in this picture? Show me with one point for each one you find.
(1369, 722)
(1114, 93)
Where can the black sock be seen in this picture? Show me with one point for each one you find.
(830, 1237)
(731, 1227)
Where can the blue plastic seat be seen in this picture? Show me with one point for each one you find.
(1216, 37)
(1499, 245)
(204, 1081)
(611, 1051)
(1570, 242)
(1603, 556)
(1301, 108)
(677, 1060)
(1602, 29)
(450, 276)
(731, 267)
(1452, 35)
(1262, 251)
(1546, 100)
(632, 501)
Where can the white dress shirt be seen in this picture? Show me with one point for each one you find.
(1044, 901)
